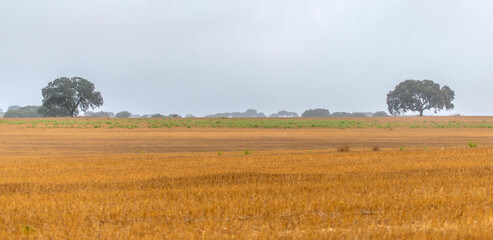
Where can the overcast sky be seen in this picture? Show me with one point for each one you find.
(203, 57)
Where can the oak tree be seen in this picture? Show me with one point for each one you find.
(65, 96)
(418, 96)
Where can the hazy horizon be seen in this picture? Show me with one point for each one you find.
(201, 58)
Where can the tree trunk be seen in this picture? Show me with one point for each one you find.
(421, 112)
(72, 111)
(69, 110)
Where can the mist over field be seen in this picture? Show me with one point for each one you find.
(206, 57)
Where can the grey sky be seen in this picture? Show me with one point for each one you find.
(202, 57)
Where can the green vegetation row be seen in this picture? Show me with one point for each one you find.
(132, 123)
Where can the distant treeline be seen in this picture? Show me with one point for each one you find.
(250, 113)
(40, 111)
(320, 112)
(23, 112)
(126, 114)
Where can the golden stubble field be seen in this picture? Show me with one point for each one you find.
(245, 183)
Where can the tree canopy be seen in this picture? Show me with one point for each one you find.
(123, 114)
(157, 115)
(418, 96)
(319, 112)
(65, 96)
(284, 113)
(100, 114)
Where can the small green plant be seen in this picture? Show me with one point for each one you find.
(143, 151)
(401, 148)
(26, 229)
(246, 152)
(473, 145)
(219, 153)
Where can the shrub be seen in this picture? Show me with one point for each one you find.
(123, 114)
(99, 114)
(380, 114)
(344, 148)
(473, 144)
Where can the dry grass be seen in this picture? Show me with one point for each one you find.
(89, 141)
(117, 187)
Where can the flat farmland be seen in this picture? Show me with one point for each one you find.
(247, 178)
